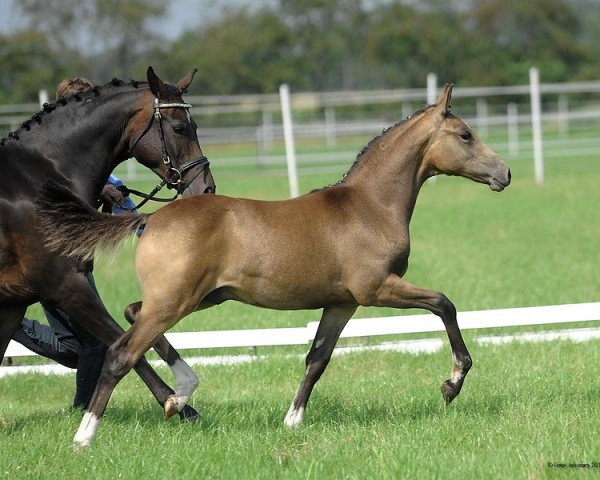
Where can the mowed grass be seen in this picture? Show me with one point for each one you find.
(373, 415)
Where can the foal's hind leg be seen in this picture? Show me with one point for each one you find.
(186, 380)
(332, 323)
(396, 292)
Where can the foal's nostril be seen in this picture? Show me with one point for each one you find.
(210, 189)
(509, 175)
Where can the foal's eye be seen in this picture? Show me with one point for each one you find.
(178, 128)
(466, 135)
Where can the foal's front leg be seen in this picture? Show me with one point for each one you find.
(85, 308)
(332, 323)
(396, 292)
(121, 356)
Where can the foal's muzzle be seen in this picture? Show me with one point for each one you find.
(500, 182)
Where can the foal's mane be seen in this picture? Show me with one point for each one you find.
(362, 154)
(88, 96)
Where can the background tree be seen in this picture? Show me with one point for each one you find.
(29, 63)
(111, 34)
(327, 40)
(408, 42)
(507, 37)
(310, 44)
(245, 51)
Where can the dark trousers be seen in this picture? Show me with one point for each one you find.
(67, 344)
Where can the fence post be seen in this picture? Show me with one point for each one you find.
(288, 133)
(43, 97)
(563, 115)
(512, 125)
(536, 124)
(482, 117)
(431, 98)
(267, 128)
(407, 110)
(330, 126)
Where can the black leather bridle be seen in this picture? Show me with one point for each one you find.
(174, 177)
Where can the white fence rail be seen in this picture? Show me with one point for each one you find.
(511, 113)
(369, 327)
(266, 124)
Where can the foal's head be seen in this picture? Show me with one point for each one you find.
(454, 149)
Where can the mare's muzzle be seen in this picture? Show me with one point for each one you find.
(176, 177)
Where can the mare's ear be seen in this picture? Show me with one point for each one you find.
(443, 101)
(157, 86)
(184, 83)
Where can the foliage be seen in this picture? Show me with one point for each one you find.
(521, 35)
(243, 52)
(310, 44)
(29, 64)
(98, 39)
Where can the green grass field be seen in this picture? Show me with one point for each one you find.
(374, 414)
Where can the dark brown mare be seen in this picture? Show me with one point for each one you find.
(336, 248)
(77, 142)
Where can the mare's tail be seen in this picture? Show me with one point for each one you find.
(73, 228)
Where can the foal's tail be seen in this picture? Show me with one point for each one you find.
(73, 228)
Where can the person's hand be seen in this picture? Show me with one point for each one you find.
(111, 194)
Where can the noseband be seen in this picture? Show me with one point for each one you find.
(174, 177)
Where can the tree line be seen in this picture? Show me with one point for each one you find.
(314, 45)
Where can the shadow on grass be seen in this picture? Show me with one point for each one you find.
(264, 415)
(30, 420)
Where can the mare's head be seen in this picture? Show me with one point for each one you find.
(454, 149)
(163, 137)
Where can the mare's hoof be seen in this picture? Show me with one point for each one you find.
(449, 392)
(188, 414)
(170, 407)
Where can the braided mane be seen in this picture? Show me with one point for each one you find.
(48, 108)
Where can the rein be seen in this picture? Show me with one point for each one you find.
(174, 176)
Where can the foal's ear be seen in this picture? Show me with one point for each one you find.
(443, 101)
(184, 83)
(157, 86)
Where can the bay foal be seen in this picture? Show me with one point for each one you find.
(336, 248)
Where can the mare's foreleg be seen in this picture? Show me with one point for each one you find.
(10, 319)
(396, 292)
(332, 323)
(186, 380)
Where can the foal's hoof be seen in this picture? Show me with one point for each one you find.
(449, 391)
(188, 414)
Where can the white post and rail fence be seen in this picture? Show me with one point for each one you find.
(380, 326)
(528, 112)
(431, 94)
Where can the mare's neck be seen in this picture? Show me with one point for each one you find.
(82, 142)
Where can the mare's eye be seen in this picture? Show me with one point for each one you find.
(178, 128)
(466, 135)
